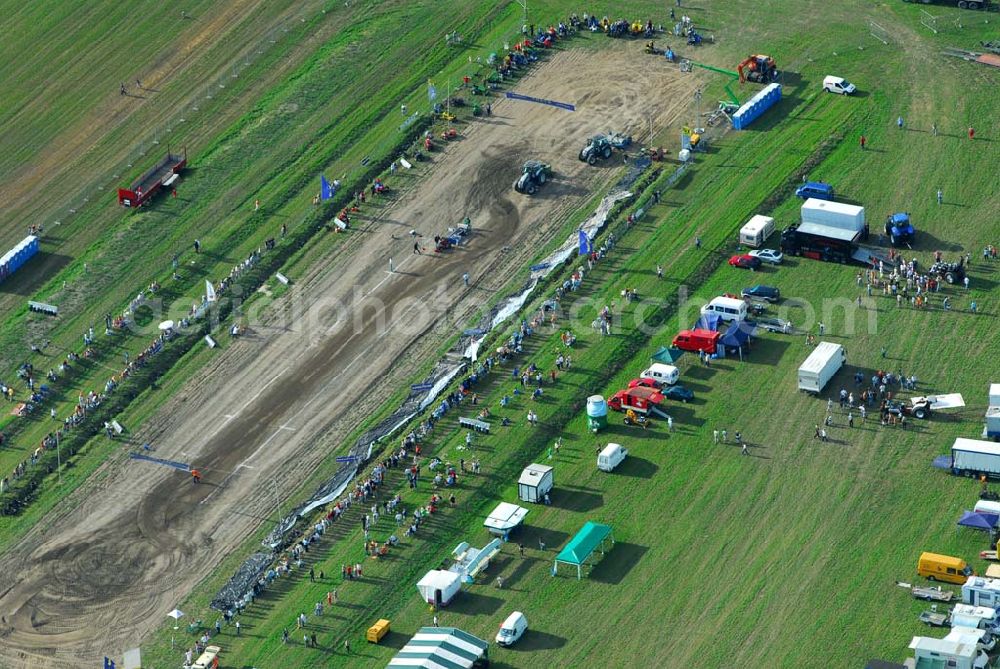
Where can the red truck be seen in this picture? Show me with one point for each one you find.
(164, 174)
(697, 340)
(641, 399)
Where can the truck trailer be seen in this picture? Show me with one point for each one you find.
(834, 215)
(973, 457)
(820, 366)
(164, 174)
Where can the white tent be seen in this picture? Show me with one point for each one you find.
(505, 518)
(439, 587)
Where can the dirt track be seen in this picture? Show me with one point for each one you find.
(117, 555)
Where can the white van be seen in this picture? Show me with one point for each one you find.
(662, 375)
(729, 309)
(512, 629)
(839, 85)
(611, 457)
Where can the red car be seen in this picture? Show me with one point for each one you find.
(645, 383)
(745, 261)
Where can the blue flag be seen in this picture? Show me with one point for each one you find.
(584, 244)
(326, 191)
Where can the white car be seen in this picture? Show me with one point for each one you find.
(768, 255)
(840, 85)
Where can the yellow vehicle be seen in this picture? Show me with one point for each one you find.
(944, 568)
(377, 631)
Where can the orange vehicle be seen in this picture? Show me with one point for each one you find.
(697, 340)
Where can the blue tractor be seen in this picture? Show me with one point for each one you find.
(898, 229)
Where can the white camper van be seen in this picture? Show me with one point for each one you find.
(820, 366)
(756, 231)
(729, 309)
(663, 375)
(611, 457)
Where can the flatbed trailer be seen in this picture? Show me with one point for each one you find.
(164, 173)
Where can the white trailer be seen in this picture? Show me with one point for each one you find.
(756, 231)
(974, 457)
(992, 430)
(967, 615)
(995, 394)
(833, 214)
(820, 366)
(980, 591)
(535, 483)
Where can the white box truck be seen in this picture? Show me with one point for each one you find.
(756, 231)
(820, 366)
(833, 214)
(974, 457)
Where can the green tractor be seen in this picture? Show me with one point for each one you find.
(597, 147)
(533, 174)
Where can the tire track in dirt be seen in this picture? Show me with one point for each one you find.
(294, 393)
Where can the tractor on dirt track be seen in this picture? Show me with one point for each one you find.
(534, 173)
(598, 146)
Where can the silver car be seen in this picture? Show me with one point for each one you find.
(768, 255)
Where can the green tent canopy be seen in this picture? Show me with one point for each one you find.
(667, 355)
(591, 537)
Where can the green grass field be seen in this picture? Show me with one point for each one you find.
(786, 558)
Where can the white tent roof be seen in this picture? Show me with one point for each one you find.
(506, 516)
(533, 474)
(438, 579)
(440, 648)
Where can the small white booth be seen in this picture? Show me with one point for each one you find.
(535, 483)
(439, 587)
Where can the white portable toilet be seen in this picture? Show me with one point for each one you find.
(535, 483)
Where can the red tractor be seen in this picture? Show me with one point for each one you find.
(758, 68)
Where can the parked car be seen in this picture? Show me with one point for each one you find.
(768, 255)
(762, 292)
(678, 393)
(512, 629)
(647, 383)
(773, 325)
(839, 85)
(816, 190)
(745, 261)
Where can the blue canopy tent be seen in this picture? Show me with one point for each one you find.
(738, 336)
(978, 521)
(709, 321)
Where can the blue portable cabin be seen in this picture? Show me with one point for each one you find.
(14, 259)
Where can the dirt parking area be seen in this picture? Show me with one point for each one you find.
(127, 547)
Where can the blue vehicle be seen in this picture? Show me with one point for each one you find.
(762, 292)
(677, 393)
(898, 228)
(815, 189)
